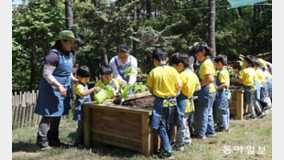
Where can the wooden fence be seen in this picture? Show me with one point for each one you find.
(23, 105)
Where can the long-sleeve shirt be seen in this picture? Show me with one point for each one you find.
(116, 75)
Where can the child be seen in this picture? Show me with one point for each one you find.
(163, 82)
(82, 95)
(106, 75)
(221, 104)
(261, 77)
(185, 105)
(247, 78)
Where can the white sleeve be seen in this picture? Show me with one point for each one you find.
(191, 62)
(47, 73)
(115, 71)
(132, 78)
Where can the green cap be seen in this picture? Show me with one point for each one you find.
(65, 35)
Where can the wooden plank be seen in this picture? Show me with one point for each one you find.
(15, 119)
(23, 116)
(239, 105)
(174, 134)
(87, 126)
(147, 149)
(113, 135)
(131, 145)
(118, 108)
(20, 116)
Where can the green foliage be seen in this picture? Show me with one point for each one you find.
(102, 25)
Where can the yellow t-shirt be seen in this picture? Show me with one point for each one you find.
(190, 82)
(100, 82)
(79, 88)
(224, 77)
(163, 80)
(249, 76)
(260, 75)
(207, 67)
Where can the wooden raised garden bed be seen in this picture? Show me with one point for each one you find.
(122, 126)
(237, 107)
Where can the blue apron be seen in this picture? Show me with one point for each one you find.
(182, 101)
(79, 110)
(121, 71)
(49, 102)
(111, 84)
(222, 94)
(158, 109)
(269, 83)
(204, 109)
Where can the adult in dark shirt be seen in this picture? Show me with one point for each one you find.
(55, 90)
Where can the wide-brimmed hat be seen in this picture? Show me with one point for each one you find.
(65, 35)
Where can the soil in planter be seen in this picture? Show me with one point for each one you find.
(235, 85)
(142, 102)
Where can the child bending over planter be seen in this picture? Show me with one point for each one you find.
(163, 82)
(185, 105)
(82, 95)
(248, 77)
(107, 82)
(223, 95)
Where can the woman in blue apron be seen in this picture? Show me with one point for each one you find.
(55, 90)
(206, 96)
(121, 63)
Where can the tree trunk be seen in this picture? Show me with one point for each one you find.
(211, 25)
(33, 65)
(135, 28)
(103, 50)
(253, 29)
(148, 8)
(68, 14)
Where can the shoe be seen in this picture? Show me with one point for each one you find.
(41, 148)
(178, 147)
(211, 135)
(252, 117)
(228, 130)
(197, 137)
(262, 115)
(220, 129)
(166, 155)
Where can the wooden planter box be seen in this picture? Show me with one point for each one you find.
(237, 107)
(121, 126)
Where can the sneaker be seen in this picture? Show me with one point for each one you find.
(220, 129)
(211, 135)
(166, 155)
(262, 115)
(252, 117)
(178, 147)
(197, 137)
(41, 148)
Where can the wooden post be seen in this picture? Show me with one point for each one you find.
(239, 104)
(16, 116)
(20, 116)
(146, 136)
(157, 141)
(13, 108)
(87, 126)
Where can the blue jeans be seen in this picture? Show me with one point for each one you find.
(79, 137)
(222, 112)
(166, 126)
(264, 91)
(204, 113)
(257, 92)
(248, 94)
(183, 134)
(191, 121)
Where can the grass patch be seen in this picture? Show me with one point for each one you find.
(254, 133)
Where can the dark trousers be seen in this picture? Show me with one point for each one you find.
(44, 136)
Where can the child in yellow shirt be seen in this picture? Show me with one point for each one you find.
(163, 82)
(82, 95)
(248, 77)
(185, 105)
(221, 104)
(107, 79)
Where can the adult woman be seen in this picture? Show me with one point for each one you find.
(55, 90)
(206, 96)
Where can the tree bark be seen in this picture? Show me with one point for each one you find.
(148, 8)
(211, 25)
(68, 14)
(103, 50)
(33, 64)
